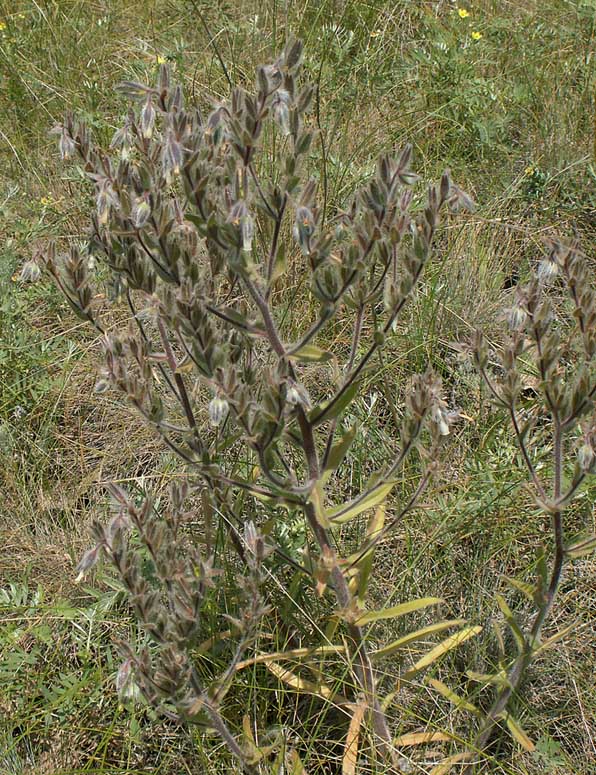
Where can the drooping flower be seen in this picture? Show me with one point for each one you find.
(440, 418)
(141, 211)
(281, 110)
(218, 410)
(548, 269)
(147, 117)
(517, 317)
(30, 272)
(240, 216)
(67, 145)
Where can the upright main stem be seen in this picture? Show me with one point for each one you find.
(360, 656)
(359, 651)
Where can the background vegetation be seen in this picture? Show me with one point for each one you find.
(504, 95)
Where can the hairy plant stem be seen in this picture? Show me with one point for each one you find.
(523, 661)
(359, 651)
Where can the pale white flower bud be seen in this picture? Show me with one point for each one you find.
(141, 211)
(439, 417)
(281, 110)
(293, 396)
(585, 457)
(548, 269)
(218, 410)
(517, 317)
(297, 395)
(67, 145)
(247, 230)
(30, 273)
(147, 117)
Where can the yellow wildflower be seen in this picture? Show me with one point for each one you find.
(375, 33)
(477, 35)
(529, 170)
(161, 60)
(462, 13)
(2, 26)
(46, 200)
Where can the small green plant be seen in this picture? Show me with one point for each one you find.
(198, 220)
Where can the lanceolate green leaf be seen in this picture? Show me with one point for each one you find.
(398, 610)
(365, 564)
(495, 679)
(310, 353)
(528, 590)
(511, 621)
(454, 698)
(340, 449)
(280, 264)
(333, 408)
(555, 638)
(369, 500)
(412, 637)
(453, 641)
(518, 733)
(580, 548)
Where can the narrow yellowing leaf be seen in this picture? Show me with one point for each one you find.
(496, 679)
(585, 545)
(376, 522)
(518, 733)
(280, 265)
(555, 638)
(420, 738)
(279, 656)
(208, 644)
(528, 590)
(350, 757)
(334, 407)
(369, 500)
(365, 563)
(447, 764)
(310, 353)
(450, 695)
(247, 729)
(397, 610)
(512, 622)
(453, 641)
(340, 449)
(295, 764)
(412, 637)
(252, 751)
(299, 683)
(317, 501)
